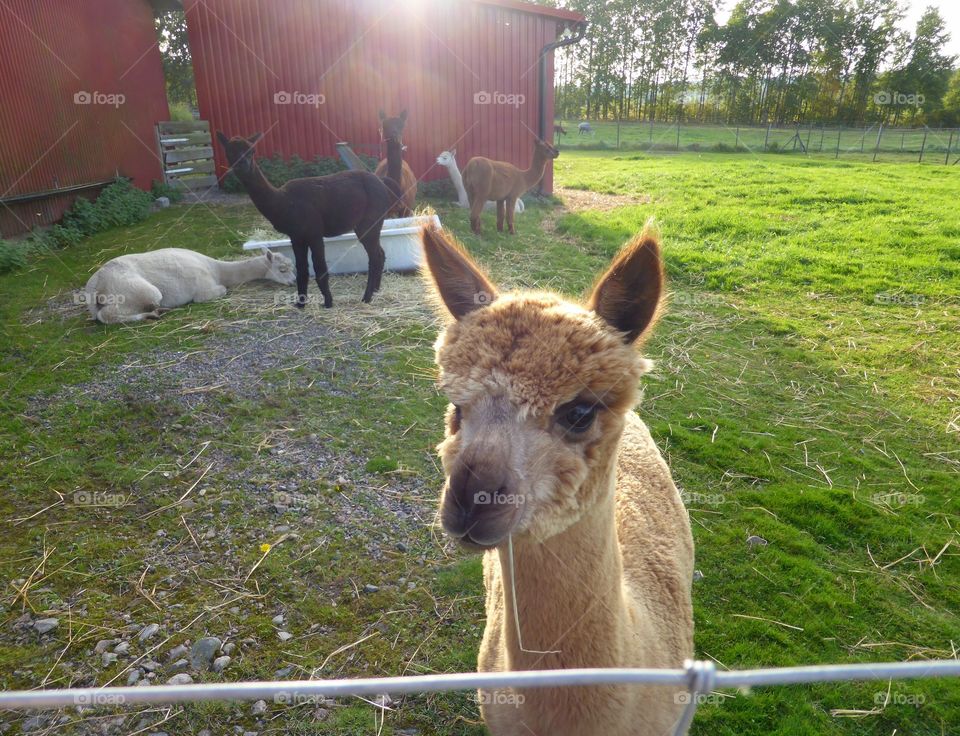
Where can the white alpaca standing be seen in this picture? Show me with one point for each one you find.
(142, 286)
(449, 159)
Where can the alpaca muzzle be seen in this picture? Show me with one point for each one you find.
(478, 508)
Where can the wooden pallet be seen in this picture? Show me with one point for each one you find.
(186, 150)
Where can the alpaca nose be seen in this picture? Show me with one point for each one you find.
(476, 504)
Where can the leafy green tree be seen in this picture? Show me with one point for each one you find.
(171, 30)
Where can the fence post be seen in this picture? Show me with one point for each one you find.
(876, 148)
(924, 144)
(823, 129)
(651, 134)
(902, 134)
(618, 132)
(946, 161)
(809, 131)
(839, 133)
(678, 132)
(736, 145)
(766, 138)
(863, 138)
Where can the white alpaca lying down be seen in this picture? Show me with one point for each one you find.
(144, 285)
(449, 160)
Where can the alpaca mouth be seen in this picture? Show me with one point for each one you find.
(480, 529)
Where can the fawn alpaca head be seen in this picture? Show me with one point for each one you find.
(279, 268)
(392, 128)
(544, 150)
(538, 388)
(447, 158)
(239, 151)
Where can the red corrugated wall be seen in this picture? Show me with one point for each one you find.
(429, 56)
(52, 50)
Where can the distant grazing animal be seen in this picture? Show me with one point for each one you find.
(486, 179)
(584, 129)
(393, 166)
(448, 159)
(587, 552)
(309, 210)
(559, 130)
(142, 286)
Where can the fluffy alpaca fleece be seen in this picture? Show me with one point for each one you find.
(141, 286)
(602, 546)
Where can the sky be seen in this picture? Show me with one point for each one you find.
(949, 10)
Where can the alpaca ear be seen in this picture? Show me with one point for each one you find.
(269, 254)
(457, 280)
(222, 138)
(383, 116)
(453, 151)
(627, 296)
(403, 116)
(254, 139)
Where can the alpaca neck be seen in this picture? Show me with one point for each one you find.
(394, 159)
(265, 196)
(535, 173)
(458, 183)
(569, 592)
(233, 273)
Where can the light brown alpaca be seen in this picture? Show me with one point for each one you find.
(544, 451)
(504, 183)
(393, 166)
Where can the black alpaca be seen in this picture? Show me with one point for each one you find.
(308, 210)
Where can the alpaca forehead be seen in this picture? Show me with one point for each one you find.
(538, 352)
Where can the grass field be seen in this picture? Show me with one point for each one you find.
(807, 391)
(857, 144)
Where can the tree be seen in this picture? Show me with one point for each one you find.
(175, 52)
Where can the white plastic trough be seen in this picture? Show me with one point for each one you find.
(400, 240)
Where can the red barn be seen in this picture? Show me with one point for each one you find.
(81, 88)
(310, 73)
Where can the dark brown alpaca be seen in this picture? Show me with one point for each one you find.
(486, 179)
(308, 210)
(559, 130)
(393, 166)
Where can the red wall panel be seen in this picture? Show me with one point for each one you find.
(53, 50)
(431, 58)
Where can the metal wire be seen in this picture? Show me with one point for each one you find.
(697, 675)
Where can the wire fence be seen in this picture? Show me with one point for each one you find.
(696, 680)
(874, 142)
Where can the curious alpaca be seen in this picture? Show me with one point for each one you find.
(559, 130)
(584, 129)
(503, 183)
(308, 210)
(142, 286)
(393, 166)
(448, 159)
(588, 557)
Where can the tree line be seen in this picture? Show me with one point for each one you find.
(774, 61)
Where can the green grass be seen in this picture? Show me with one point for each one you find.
(791, 401)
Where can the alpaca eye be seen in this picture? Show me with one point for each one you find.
(576, 418)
